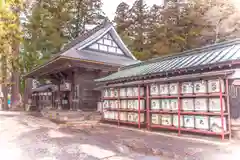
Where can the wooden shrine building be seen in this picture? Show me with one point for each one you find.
(193, 91)
(92, 55)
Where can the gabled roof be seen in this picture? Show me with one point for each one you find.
(76, 49)
(216, 54)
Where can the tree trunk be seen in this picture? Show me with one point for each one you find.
(4, 80)
(15, 92)
(27, 91)
(5, 96)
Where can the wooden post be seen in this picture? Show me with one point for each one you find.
(148, 108)
(118, 89)
(228, 109)
(139, 120)
(179, 109)
(71, 94)
(221, 104)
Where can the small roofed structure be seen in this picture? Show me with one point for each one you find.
(192, 91)
(42, 96)
(213, 57)
(92, 55)
(45, 88)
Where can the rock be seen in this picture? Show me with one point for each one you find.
(157, 151)
(123, 149)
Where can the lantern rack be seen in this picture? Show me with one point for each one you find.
(120, 109)
(179, 112)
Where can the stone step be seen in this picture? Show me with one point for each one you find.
(82, 122)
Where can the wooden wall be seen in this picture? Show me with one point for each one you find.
(234, 97)
(83, 92)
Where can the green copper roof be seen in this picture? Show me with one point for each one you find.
(205, 56)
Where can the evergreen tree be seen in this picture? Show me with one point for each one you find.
(122, 23)
(138, 29)
(54, 23)
(45, 29)
(83, 12)
(9, 46)
(122, 18)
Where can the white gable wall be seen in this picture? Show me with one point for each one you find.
(108, 34)
(106, 44)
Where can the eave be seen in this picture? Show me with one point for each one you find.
(229, 65)
(72, 63)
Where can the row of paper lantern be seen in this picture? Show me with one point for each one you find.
(189, 104)
(212, 123)
(124, 116)
(204, 86)
(42, 94)
(124, 92)
(124, 104)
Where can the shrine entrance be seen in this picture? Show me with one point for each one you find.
(64, 98)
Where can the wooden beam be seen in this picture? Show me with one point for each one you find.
(94, 66)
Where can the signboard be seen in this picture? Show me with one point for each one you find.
(65, 87)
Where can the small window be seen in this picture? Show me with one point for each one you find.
(112, 49)
(107, 42)
(103, 48)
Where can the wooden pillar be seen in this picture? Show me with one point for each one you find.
(59, 101)
(71, 93)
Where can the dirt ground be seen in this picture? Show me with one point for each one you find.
(37, 137)
(157, 145)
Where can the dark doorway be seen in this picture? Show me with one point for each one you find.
(65, 100)
(234, 95)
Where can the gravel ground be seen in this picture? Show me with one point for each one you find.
(25, 137)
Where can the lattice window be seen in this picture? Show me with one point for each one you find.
(106, 44)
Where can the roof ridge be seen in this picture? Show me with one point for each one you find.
(95, 29)
(187, 52)
(87, 34)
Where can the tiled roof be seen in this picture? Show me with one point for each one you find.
(44, 88)
(75, 49)
(200, 57)
(85, 35)
(114, 60)
(89, 37)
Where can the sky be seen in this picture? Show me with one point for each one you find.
(109, 6)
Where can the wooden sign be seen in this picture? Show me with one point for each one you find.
(65, 87)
